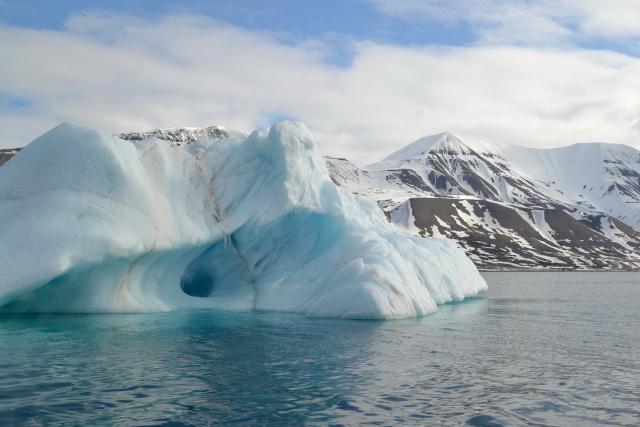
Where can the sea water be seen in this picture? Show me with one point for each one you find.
(540, 348)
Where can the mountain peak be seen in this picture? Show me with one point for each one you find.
(423, 145)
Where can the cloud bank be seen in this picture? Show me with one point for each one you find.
(119, 73)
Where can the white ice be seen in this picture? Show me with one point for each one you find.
(93, 223)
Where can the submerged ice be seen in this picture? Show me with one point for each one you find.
(94, 223)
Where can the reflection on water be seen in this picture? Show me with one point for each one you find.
(541, 348)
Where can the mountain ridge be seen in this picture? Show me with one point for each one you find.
(511, 206)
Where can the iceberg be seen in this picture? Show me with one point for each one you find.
(90, 222)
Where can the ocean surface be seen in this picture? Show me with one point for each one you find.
(539, 349)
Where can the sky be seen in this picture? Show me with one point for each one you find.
(366, 76)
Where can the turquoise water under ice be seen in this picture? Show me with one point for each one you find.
(541, 348)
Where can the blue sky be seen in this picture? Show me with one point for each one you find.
(299, 20)
(366, 75)
(294, 20)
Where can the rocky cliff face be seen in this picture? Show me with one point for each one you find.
(7, 154)
(185, 135)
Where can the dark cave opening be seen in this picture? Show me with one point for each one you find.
(196, 283)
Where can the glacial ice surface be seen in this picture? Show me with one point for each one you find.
(90, 222)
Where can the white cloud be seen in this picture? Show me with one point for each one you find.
(613, 19)
(527, 21)
(120, 73)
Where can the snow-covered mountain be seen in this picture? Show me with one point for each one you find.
(510, 206)
(185, 135)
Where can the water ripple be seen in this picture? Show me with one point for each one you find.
(533, 353)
